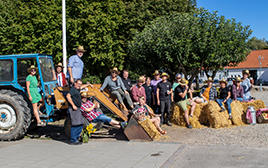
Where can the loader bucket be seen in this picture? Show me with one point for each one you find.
(134, 131)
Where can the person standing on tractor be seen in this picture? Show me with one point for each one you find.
(164, 95)
(91, 111)
(60, 75)
(75, 102)
(154, 83)
(76, 65)
(34, 95)
(117, 88)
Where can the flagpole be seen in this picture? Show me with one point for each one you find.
(64, 52)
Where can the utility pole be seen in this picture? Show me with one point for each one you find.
(260, 59)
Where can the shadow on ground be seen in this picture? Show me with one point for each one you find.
(55, 131)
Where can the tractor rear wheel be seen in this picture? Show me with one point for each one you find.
(67, 125)
(15, 115)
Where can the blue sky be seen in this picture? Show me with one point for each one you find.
(249, 12)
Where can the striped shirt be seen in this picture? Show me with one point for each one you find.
(91, 115)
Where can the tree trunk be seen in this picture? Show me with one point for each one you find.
(197, 83)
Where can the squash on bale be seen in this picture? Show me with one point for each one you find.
(209, 114)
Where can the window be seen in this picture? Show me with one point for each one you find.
(6, 70)
(47, 69)
(22, 69)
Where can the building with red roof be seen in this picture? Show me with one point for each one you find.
(251, 63)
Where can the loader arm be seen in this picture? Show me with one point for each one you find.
(104, 100)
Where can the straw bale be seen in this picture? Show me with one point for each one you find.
(237, 113)
(150, 128)
(216, 118)
(177, 116)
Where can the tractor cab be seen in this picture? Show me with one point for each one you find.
(15, 107)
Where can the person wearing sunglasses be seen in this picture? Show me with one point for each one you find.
(34, 95)
(117, 88)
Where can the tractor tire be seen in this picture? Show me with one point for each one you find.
(15, 115)
(67, 125)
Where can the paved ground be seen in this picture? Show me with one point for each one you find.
(116, 154)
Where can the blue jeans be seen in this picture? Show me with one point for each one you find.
(228, 103)
(239, 99)
(102, 118)
(75, 132)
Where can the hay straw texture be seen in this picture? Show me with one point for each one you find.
(209, 114)
(177, 116)
(149, 127)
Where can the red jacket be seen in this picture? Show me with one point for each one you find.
(63, 78)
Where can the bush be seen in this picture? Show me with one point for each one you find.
(92, 80)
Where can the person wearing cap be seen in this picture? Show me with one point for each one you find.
(34, 95)
(154, 83)
(92, 112)
(76, 65)
(207, 93)
(247, 85)
(75, 101)
(117, 88)
(61, 79)
(138, 91)
(181, 101)
(237, 90)
(148, 91)
(225, 98)
(126, 81)
(164, 95)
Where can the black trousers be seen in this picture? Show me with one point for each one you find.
(165, 108)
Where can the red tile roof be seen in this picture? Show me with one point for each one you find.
(252, 60)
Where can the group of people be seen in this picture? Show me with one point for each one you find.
(158, 94)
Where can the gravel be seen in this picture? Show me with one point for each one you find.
(247, 135)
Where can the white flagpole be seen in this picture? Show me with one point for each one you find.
(64, 52)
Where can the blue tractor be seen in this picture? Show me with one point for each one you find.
(15, 107)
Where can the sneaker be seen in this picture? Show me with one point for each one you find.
(191, 116)
(169, 123)
(230, 117)
(123, 124)
(222, 109)
(75, 143)
(189, 126)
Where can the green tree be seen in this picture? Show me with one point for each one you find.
(257, 44)
(96, 25)
(140, 13)
(188, 42)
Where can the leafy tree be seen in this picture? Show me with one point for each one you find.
(257, 44)
(96, 24)
(188, 42)
(140, 13)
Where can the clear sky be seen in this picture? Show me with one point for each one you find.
(249, 12)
